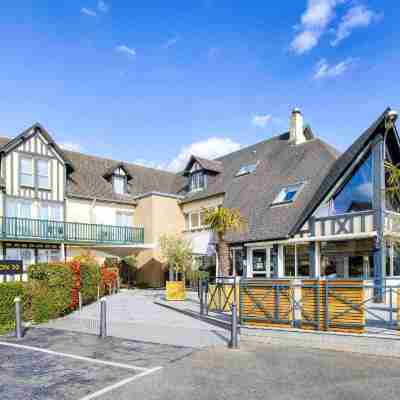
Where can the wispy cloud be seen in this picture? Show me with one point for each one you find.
(314, 22)
(356, 17)
(324, 70)
(71, 146)
(126, 50)
(171, 42)
(89, 12)
(103, 7)
(209, 148)
(261, 121)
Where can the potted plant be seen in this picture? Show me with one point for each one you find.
(178, 255)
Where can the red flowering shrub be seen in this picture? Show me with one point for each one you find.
(76, 269)
(109, 277)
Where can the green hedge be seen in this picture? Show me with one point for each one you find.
(8, 292)
(90, 281)
(50, 288)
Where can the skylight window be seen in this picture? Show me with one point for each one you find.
(246, 169)
(288, 194)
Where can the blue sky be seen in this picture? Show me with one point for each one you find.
(151, 81)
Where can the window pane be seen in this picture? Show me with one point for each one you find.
(356, 195)
(25, 208)
(44, 182)
(44, 211)
(238, 261)
(259, 261)
(119, 184)
(303, 260)
(26, 166)
(12, 210)
(288, 193)
(289, 267)
(194, 220)
(396, 259)
(356, 266)
(43, 167)
(26, 180)
(56, 213)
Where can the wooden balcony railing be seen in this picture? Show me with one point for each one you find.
(38, 229)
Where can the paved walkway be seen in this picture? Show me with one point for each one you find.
(135, 315)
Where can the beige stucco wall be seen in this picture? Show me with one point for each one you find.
(210, 202)
(158, 215)
(95, 212)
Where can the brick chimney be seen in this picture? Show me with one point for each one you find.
(296, 128)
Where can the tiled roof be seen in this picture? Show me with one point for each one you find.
(278, 164)
(208, 165)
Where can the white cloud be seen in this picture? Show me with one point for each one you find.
(103, 7)
(261, 120)
(171, 42)
(89, 12)
(324, 70)
(126, 50)
(71, 146)
(209, 148)
(150, 164)
(314, 22)
(357, 17)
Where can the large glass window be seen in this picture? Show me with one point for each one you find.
(357, 193)
(259, 263)
(297, 260)
(43, 175)
(237, 262)
(124, 218)
(26, 172)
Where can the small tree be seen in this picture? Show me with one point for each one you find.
(222, 221)
(128, 269)
(177, 253)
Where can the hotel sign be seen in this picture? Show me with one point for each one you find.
(11, 267)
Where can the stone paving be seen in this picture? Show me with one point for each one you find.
(135, 315)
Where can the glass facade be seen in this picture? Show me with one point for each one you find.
(301, 267)
(356, 194)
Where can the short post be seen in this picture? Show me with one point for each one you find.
(103, 318)
(80, 300)
(234, 343)
(205, 289)
(98, 292)
(201, 297)
(18, 322)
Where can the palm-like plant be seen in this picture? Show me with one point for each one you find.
(224, 220)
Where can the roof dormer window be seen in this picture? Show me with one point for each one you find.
(198, 181)
(120, 184)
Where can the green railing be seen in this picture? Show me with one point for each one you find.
(38, 229)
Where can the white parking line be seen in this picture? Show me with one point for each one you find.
(73, 356)
(119, 384)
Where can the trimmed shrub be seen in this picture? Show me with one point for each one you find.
(8, 292)
(90, 281)
(50, 290)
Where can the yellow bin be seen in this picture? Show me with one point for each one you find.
(175, 290)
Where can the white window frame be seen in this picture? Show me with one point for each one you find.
(280, 198)
(296, 263)
(126, 214)
(38, 176)
(188, 221)
(124, 183)
(31, 174)
(195, 177)
(247, 169)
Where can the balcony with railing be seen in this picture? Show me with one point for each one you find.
(69, 232)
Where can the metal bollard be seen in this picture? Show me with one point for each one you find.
(201, 298)
(80, 300)
(18, 322)
(206, 297)
(103, 318)
(98, 293)
(234, 343)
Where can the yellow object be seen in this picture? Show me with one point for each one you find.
(175, 291)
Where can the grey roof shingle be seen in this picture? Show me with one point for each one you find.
(279, 164)
(87, 179)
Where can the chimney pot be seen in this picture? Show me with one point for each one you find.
(296, 127)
